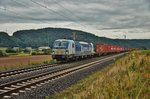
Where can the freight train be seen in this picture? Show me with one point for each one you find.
(65, 50)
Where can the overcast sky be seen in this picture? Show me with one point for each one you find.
(109, 18)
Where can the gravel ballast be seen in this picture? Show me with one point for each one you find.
(33, 73)
(60, 84)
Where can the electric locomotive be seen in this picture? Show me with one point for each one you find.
(65, 49)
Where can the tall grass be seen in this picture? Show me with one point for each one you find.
(127, 78)
(5, 68)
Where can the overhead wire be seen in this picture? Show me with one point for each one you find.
(21, 16)
(17, 15)
(38, 20)
(66, 9)
(51, 10)
(44, 6)
(19, 3)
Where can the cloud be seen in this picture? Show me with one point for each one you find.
(97, 14)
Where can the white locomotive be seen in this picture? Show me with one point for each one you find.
(64, 49)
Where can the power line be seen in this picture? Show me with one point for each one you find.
(41, 6)
(19, 15)
(23, 17)
(54, 11)
(12, 12)
(39, 21)
(32, 18)
(19, 3)
(65, 8)
(25, 6)
(0, 2)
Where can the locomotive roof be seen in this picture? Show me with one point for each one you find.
(64, 40)
(81, 42)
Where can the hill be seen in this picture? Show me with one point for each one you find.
(6, 40)
(46, 36)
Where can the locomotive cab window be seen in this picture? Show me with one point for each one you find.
(61, 44)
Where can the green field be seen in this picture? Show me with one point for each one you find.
(127, 78)
(3, 48)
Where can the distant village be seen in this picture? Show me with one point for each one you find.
(7, 51)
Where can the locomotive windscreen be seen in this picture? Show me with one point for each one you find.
(61, 44)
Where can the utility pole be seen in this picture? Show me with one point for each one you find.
(48, 37)
(125, 36)
(74, 36)
(6, 30)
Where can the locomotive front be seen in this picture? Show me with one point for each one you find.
(63, 49)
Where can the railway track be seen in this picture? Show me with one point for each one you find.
(10, 89)
(18, 76)
(24, 70)
(9, 73)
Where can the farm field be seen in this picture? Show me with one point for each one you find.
(127, 78)
(7, 63)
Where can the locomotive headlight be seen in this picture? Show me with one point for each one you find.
(53, 52)
(67, 51)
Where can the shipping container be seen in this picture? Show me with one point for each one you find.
(103, 48)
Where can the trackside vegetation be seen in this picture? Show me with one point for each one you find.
(5, 68)
(2, 54)
(127, 78)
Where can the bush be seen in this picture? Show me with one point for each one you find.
(36, 53)
(10, 50)
(42, 52)
(2, 54)
(46, 51)
(27, 51)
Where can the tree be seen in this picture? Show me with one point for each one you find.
(2, 53)
(10, 50)
(27, 51)
(47, 51)
(143, 48)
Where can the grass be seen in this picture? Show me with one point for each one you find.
(5, 68)
(127, 78)
(18, 54)
(3, 48)
(24, 54)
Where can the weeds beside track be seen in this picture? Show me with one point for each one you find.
(13, 87)
(127, 78)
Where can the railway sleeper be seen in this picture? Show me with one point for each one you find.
(22, 91)
(15, 94)
(9, 88)
(7, 97)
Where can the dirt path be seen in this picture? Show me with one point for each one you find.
(13, 61)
